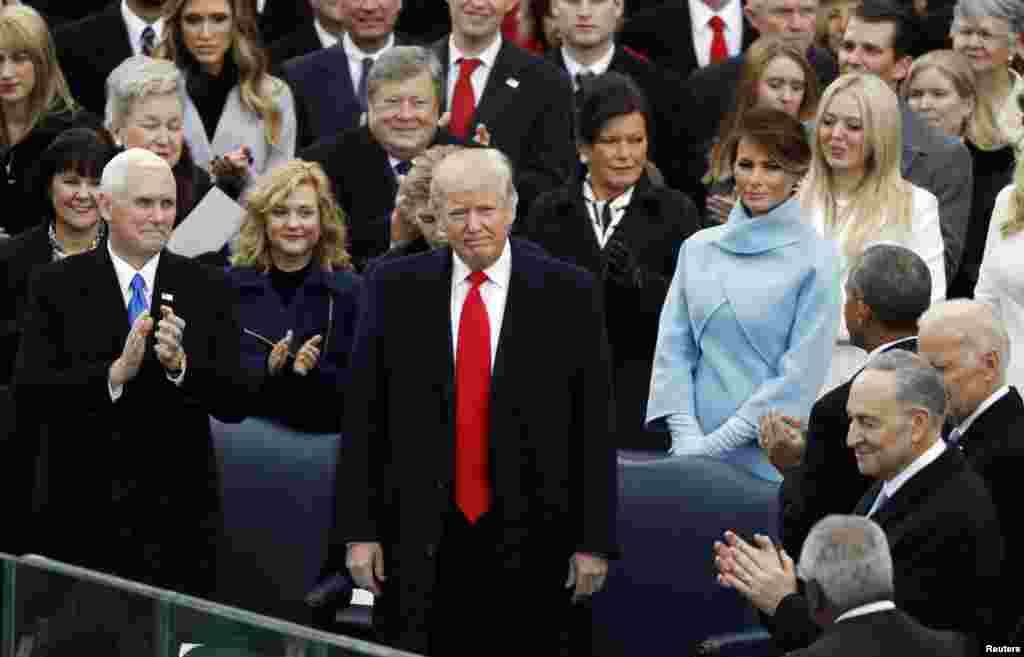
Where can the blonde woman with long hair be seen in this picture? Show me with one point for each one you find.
(35, 107)
(855, 194)
(1001, 280)
(237, 116)
(298, 297)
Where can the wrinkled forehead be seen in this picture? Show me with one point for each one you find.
(145, 180)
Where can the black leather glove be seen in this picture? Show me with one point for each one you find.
(621, 265)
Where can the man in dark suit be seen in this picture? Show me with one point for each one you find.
(880, 39)
(968, 343)
(363, 164)
(886, 291)
(470, 489)
(680, 35)
(322, 31)
(589, 49)
(847, 570)
(524, 101)
(330, 84)
(791, 20)
(139, 346)
(937, 513)
(89, 49)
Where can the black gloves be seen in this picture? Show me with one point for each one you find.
(621, 266)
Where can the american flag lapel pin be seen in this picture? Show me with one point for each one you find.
(512, 82)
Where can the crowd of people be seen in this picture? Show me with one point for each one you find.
(491, 242)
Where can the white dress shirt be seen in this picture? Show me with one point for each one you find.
(494, 292)
(700, 14)
(879, 349)
(326, 38)
(356, 56)
(1001, 282)
(891, 487)
(869, 608)
(480, 75)
(600, 67)
(136, 26)
(595, 207)
(982, 407)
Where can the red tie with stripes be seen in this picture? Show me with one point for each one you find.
(463, 100)
(472, 404)
(719, 49)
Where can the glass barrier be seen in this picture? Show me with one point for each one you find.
(52, 609)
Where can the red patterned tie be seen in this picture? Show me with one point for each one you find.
(719, 49)
(472, 404)
(463, 101)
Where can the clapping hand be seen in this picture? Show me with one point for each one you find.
(783, 438)
(308, 356)
(719, 206)
(279, 354)
(169, 333)
(764, 574)
(587, 574)
(127, 365)
(365, 562)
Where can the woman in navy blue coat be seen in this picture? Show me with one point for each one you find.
(298, 298)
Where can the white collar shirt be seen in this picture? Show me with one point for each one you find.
(891, 487)
(619, 205)
(493, 291)
(125, 273)
(479, 77)
(964, 426)
(136, 26)
(574, 68)
(700, 14)
(885, 347)
(326, 38)
(864, 610)
(356, 56)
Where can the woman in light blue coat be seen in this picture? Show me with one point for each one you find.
(753, 309)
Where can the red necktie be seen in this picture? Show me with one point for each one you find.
(472, 404)
(719, 49)
(463, 101)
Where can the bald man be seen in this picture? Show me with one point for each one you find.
(968, 343)
(127, 349)
(478, 470)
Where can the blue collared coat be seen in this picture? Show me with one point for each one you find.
(748, 325)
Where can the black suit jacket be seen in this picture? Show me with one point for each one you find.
(364, 185)
(828, 480)
(527, 106)
(552, 463)
(88, 50)
(994, 448)
(886, 633)
(131, 485)
(302, 41)
(325, 93)
(665, 34)
(672, 144)
(947, 554)
(656, 222)
(18, 257)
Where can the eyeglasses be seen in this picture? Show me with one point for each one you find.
(986, 37)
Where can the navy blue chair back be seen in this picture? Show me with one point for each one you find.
(662, 598)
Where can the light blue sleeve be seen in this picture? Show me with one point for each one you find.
(804, 365)
(735, 433)
(675, 356)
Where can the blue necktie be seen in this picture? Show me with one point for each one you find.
(137, 304)
(403, 167)
(361, 90)
(880, 502)
(953, 439)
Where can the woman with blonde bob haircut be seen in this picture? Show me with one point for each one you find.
(856, 195)
(237, 115)
(294, 280)
(35, 107)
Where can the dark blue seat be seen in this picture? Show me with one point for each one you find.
(278, 501)
(662, 598)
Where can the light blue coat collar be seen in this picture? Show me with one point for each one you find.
(781, 227)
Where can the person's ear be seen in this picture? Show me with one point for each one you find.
(750, 12)
(901, 69)
(993, 363)
(103, 202)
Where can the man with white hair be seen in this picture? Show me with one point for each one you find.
(937, 513)
(129, 348)
(968, 343)
(478, 470)
(847, 572)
